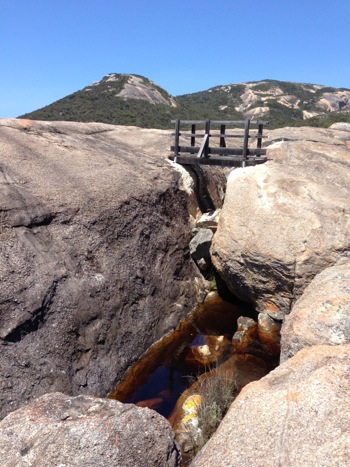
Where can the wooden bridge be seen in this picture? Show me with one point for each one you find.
(204, 142)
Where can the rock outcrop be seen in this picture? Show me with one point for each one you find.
(75, 431)
(94, 254)
(299, 414)
(287, 220)
(322, 313)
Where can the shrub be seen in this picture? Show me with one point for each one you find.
(216, 391)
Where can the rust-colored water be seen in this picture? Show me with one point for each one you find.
(168, 368)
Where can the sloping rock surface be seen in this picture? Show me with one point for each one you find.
(298, 415)
(85, 431)
(285, 221)
(322, 313)
(94, 254)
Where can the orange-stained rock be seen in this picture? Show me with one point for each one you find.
(209, 352)
(240, 369)
(153, 403)
(297, 415)
(245, 339)
(269, 333)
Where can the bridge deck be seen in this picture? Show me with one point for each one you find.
(213, 149)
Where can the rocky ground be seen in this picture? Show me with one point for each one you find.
(283, 242)
(90, 217)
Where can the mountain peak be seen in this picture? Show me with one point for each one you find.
(134, 87)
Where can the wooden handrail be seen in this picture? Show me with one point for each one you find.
(206, 132)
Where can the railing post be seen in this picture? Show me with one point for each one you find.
(222, 136)
(245, 142)
(177, 139)
(260, 134)
(193, 135)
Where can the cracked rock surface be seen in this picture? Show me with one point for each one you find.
(287, 220)
(94, 254)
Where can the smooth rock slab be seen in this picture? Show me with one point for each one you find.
(298, 415)
(85, 431)
(322, 313)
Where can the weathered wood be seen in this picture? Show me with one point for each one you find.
(237, 151)
(177, 137)
(207, 133)
(222, 151)
(222, 122)
(193, 136)
(190, 122)
(202, 149)
(222, 136)
(233, 161)
(219, 151)
(245, 141)
(236, 122)
(260, 135)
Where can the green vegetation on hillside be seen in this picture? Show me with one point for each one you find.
(286, 101)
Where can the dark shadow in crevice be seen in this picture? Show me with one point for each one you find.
(204, 200)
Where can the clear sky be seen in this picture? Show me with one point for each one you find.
(51, 48)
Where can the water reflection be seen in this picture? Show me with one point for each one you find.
(169, 367)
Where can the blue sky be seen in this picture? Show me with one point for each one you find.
(51, 48)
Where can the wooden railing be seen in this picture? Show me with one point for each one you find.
(213, 150)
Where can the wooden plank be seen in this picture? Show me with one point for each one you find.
(222, 122)
(191, 135)
(190, 122)
(236, 122)
(202, 152)
(222, 151)
(236, 151)
(219, 160)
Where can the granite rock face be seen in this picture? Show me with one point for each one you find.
(75, 431)
(94, 254)
(285, 221)
(322, 313)
(298, 415)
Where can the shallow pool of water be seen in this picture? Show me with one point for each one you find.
(170, 366)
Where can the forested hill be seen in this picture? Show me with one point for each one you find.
(124, 99)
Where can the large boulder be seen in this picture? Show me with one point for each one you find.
(322, 313)
(94, 254)
(298, 415)
(285, 221)
(77, 431)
